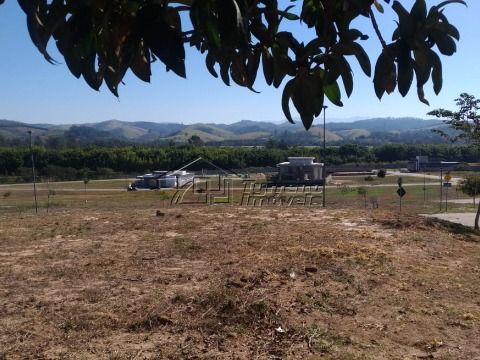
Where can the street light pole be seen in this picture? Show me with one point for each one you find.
(324, 155)
(33, 173)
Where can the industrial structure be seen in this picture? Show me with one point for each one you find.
(300, 171)
(161, 179)
(424, 163)
(175, 178)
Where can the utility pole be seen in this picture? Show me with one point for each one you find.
(441, 185)
(33, 172)
(424, 190)
(324, 156)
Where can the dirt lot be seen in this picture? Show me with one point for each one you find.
(227, 282)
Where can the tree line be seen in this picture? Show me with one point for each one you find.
(104, 162)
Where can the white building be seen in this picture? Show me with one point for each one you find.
(300, 170)
(162, 179)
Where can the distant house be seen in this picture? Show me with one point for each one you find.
(300, 170)
(424, 163)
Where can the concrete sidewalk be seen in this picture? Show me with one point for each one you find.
(466, 219)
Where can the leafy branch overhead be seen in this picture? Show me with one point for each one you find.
(101, 39)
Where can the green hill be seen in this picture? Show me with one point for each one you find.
(245, 132)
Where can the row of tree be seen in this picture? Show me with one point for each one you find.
(72, 163)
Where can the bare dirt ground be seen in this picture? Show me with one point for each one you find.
(237, 283)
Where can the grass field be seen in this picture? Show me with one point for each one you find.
(113, 194)
(125, 275)
(120, 184)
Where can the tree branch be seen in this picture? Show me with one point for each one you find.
(377, 30)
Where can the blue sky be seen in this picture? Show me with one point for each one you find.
(34, 91)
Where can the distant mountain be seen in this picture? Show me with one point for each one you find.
(387, 124)
(19, 131)
(137, 129)
(245, 132)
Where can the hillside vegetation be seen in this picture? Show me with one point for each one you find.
(102, 162)
(368, 132)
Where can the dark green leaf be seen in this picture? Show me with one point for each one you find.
(210, 63)
(448, 29)
(422, 66)
(286, 95)
(164, 41)
(92, 77)
(378, 6)
(445, 43)
(333, 93)
(384, 79)
(141, 63)
(303, 99)
(436, 72)
(224, 71)
(419, 10)
(268, 66)
(338, 66)
(406, 24)
(252, 66)
(405, 71)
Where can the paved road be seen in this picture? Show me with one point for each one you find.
(454, 180)
(461, 201)
(466, 219)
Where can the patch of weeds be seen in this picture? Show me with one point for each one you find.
(117, 355)
(223, 301)
(149, 323)
(74, 324)
(384, 264)
(430, 346)
(341, 276)
(67, 272)
(92, 295)
(259, 309)
(417, 238)
(185, 245)
(227, 308)
(323, 341)
(379, 262)
(163, 195)
(462, 319)
(179, 299)
(326, 302)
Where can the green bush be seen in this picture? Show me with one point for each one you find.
(382, 173)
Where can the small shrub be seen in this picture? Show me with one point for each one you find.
(163, 195)
(382, 173)
(7, 194)
(368, 178)
(361, 191)
(149, 322)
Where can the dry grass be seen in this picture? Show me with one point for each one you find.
(227, 282)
